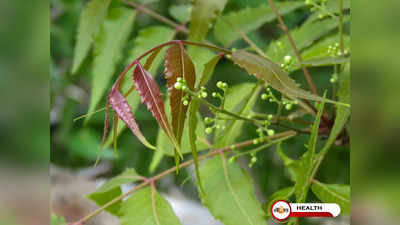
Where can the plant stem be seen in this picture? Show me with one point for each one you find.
(310, 83)
(173, 169)
(144, 9)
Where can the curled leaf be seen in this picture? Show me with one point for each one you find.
(151, 96)
(123, 111)
(178, 64)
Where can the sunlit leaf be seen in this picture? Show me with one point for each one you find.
(249, 19)
(268, 71)
(208, 70)
(146, 39)
(200, 56)
(151, 96)
(203, 14)
(181, 12)
(321, 48)
(229, 193)
(108, 51)
(57, 220)
(147, 207)
(333, 193)
(178, 64)
(328, 61)
(89, 23)
(111, 189)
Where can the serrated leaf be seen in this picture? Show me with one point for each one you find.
(146, 39)
(108, 51)
(123, 111)
(89, 23)
(327, 61)
(178, 64)
(181, 12)
(304, 167)
(240, 99)
(166, 146)
(321, 48)
(151, 96)
(199, 56)
(57, 220)
(203, 14)
(303, 37)
(333, 193)
(142, 208)
(229, 193)
(249, 19)
(111, 189)
(208, 70)
(268, 71)
(331, 7)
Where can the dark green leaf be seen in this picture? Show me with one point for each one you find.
(89, 23)
(333, 193)
(108, 51)
(249, 19)
(146, 206)
(229, 193)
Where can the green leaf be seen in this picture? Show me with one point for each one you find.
(303, 37)
(304, 167)
(288, 162)
(200, 56)
(249, 19)
(181, 12)
(327, 61)
(240, 99)
(203, 14)
(229, 193)
(146, 206)
(283, 194)
(146, 39)
(111, 189)
(268, 71)
(208, 70)
(108, 51)
(85, 144)
(89, 23)
(167, 148)
(57, 220)
(320, 49)
(157, 157)
(333, 193)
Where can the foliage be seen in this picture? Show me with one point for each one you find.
(236, 103)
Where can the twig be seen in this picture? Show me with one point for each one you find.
(173, 169)
(144, 9)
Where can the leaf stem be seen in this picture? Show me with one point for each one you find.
(341, 46)
(173, 169)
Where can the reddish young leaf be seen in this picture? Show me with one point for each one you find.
(122, 109)
(151, 95)
(178, 64)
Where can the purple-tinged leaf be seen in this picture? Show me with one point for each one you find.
(121, 107)
(178, 64)
(151, 96)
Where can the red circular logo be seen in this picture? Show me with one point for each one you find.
(281, 210)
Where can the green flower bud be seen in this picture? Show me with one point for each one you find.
(270, 132)
(220, 84)
(224, 85)
(270, 116)
(184, 88)
(232, 159)
(203, 94)
(178, 85)
(264, 96)
(185, 102)
(253, 160)
(214, 94)
(255, 141)
(208, 120)
(308, 2)
(209, 130)
(287, 59)
(179, 80)
(288, 106)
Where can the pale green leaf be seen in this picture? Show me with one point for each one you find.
(203, 14)
(165, 145)
(249, 19)
(240, 99)
(288, 162)
(268, 71)
(148, 38)
(320, 49)
(108, 51)
(282, 194)
(111, 189)
(181, 12)
(89, 23)
(57, 220)
(208, 70)
(200, 56)
(229, 193)
(303, 37)
(139, 210)
(156, 160)
(333, 193)
(327, 61)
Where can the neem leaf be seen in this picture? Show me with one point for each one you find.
(89, 23)
(181, 12)
(108, 51)
(271, 73)
(333, 193)
(57, 220)
(282, 194)
(208, 70)
(111, 189)
(146, 39)
(229, 193)
(249, 19)
(151, 96)
(203, 13)
(123, 110)
(178, 64)
(147, 207)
